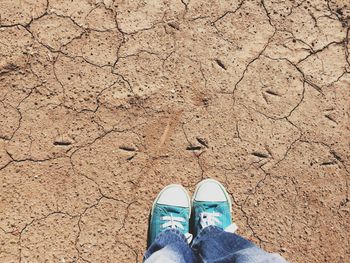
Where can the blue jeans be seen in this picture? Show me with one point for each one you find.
(212, 245)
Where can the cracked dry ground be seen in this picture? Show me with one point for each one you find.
(103, 103)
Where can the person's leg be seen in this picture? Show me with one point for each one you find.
(169, 227)
(214, 245)
(170, 246)
(215, 241)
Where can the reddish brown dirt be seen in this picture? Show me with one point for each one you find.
(103, 103)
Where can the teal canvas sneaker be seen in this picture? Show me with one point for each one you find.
(212, 206)
(171, 209)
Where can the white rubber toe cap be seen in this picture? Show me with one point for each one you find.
(210, 191)
(174, 195)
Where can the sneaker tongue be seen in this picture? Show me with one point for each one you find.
(211, 206)
(175, 210)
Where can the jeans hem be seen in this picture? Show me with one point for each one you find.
(206, 231)
(175, 232)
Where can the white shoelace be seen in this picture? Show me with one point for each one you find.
(209, 219)
(172, 221)
(175, 222)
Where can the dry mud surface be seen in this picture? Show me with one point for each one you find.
(103, 103)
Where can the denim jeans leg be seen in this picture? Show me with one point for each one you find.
(170, 246)
(214, 245)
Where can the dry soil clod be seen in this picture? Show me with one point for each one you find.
(260, 155)
(62, 143)
(174, 25)
(193, 148)
(221, 64)
(271, 92)
(202, 141)
(127, 148)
